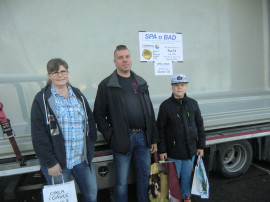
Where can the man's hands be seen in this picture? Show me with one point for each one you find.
(164, 157)
(153, 148)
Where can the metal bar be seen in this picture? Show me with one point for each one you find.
(14, 168)
(237, 136)
(23, 78)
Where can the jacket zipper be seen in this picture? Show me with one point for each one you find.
(126, 119)
(86, 120)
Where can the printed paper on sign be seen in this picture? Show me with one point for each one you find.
(156, 46)
(163, 68)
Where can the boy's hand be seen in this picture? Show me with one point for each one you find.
(163, 156)
(200, 152)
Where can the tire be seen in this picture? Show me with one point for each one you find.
(268, 149)
(234, 158)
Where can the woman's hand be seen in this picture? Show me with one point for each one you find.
(55, 170)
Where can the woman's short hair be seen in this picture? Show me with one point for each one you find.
(54, 64)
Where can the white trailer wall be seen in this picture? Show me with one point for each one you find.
(226, 45)
(221, 38)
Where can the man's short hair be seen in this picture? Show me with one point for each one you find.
(118, 48)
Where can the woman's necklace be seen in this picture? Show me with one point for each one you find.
(64, 92)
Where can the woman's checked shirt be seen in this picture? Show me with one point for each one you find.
(71, 117)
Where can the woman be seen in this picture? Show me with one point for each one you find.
(64, 132)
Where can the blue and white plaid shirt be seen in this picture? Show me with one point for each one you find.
(71, 116)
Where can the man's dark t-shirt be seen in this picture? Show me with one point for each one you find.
(132, 102)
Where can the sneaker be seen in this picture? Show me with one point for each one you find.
(187, 198)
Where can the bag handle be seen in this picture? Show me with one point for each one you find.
(199, 159)
(62, 179)
(155, 157)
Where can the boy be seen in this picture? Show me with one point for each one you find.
(181, 132)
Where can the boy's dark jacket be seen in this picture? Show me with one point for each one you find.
(181, 129)
(111, 116)
(50, 149)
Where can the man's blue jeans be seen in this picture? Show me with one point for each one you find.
(141, 156)
(85, 178)
(184, 172)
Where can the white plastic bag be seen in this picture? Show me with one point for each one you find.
(64, 192)
(200, 185)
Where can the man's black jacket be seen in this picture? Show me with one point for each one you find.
(111, 116)
(181, 129)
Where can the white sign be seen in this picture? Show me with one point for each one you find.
(160, 46)
(163, 68)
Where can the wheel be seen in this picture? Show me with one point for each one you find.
(234, 158)
(267, 139)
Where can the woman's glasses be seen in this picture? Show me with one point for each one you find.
(64, 73)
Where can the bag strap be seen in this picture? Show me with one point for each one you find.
(62, 179)
(199, 160)
(155, 157)
(6, 127)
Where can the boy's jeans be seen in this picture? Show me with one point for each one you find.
(184, 172)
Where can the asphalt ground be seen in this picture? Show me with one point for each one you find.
(254, 185)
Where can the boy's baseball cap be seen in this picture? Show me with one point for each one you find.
(179, 78)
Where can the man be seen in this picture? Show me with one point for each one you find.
(124, 115)
(181, 132)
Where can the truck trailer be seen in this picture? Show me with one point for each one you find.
(226, 58)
